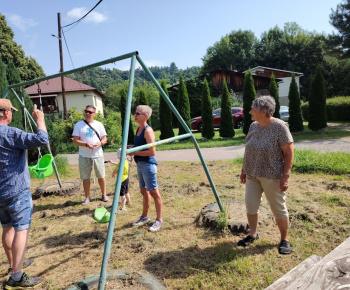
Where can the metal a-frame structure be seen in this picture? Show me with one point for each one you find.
(124, 151)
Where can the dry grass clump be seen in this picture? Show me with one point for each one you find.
(67, 243)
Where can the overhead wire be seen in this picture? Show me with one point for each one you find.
(76, 23)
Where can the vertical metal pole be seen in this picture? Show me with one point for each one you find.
(172, 107)
(107, 250)
(61, 67)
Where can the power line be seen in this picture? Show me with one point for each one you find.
(83, 16)
(65, 41)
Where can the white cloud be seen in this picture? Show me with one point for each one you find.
(77, 13)
(21, 23)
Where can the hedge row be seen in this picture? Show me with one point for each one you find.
(338, 109)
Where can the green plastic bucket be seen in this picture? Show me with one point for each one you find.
(102, 215)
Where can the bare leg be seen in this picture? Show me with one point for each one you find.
(283, 226)
(86, 186)
(123, 201)
(158, 203)
(18, 249)
(8, 235)
(127, 196)
(253, 224)
(146, 201)
(102, 183)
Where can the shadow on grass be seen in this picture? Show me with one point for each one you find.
(184, 263)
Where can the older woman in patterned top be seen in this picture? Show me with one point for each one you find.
(267, 164)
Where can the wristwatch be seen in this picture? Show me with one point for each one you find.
(286, 173)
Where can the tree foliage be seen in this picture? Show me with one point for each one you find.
(183, 105)
(236, 50)
(226, 121)
(295, 117)
(142, 100)
(249, 95)
(165, 115)
(122, 107)
(207, 113)
(27, 66)
(340, 19)
(275, 95)
(317, 102)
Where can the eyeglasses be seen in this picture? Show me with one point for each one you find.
(88, 112)
(137, 114)
(3, 110)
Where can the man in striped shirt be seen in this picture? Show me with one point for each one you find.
(16, 204)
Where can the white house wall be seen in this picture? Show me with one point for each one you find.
(283, 89)
(80, 100)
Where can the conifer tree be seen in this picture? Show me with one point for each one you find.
(165, 115)
(183, 104)
(275, 95)
(226, 121)
(207, 113)
(317, 102)
(122, 106)
(3, 79)
(249, 95)
(142, 100)
(295, 117)
(13, 77)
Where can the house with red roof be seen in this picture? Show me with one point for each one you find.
(78, 95)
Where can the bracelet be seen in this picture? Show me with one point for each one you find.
(286, 173)
(85, 144)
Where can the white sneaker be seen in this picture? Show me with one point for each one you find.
(156, 226)
(142, 220)
(122, 210)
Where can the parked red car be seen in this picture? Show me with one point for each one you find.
(237, 115)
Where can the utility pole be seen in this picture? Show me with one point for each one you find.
(61, 68)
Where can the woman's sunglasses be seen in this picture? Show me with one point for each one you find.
(137, 114)
(88, 112)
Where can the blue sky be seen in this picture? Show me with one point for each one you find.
(162, 31)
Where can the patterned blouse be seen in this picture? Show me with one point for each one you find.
(263, 156)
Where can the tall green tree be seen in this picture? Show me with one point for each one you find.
(207, 113)
(10, 50)
(275, 95)
(340, 19)
(183, 105)
(122, 107)
(226, 121)
(142, 100)
(3, 79)
(249, 95)
(165, 115)
(235, 50)
(295, 117)
(317, 102)
(12, 75)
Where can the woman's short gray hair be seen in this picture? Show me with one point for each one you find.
(145, 109)
(267, 103)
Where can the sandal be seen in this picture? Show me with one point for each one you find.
(247, 241)
(284, 248)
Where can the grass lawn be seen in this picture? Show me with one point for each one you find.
(68, 244)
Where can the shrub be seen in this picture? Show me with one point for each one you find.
(338, 109)
(207, 113)
(226, 122)
(275, 95)
(165, 115)
(249, 95)
(295, 118)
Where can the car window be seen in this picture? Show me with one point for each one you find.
(235, 111)
(216, 112)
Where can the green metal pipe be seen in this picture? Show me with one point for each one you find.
(107, 61)
(35, 125)
(165, 141)
(183, 123)
(108, 244)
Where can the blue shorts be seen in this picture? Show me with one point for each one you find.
(17, 212)
(147, 175)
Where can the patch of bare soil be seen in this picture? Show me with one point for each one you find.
(67, 244)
